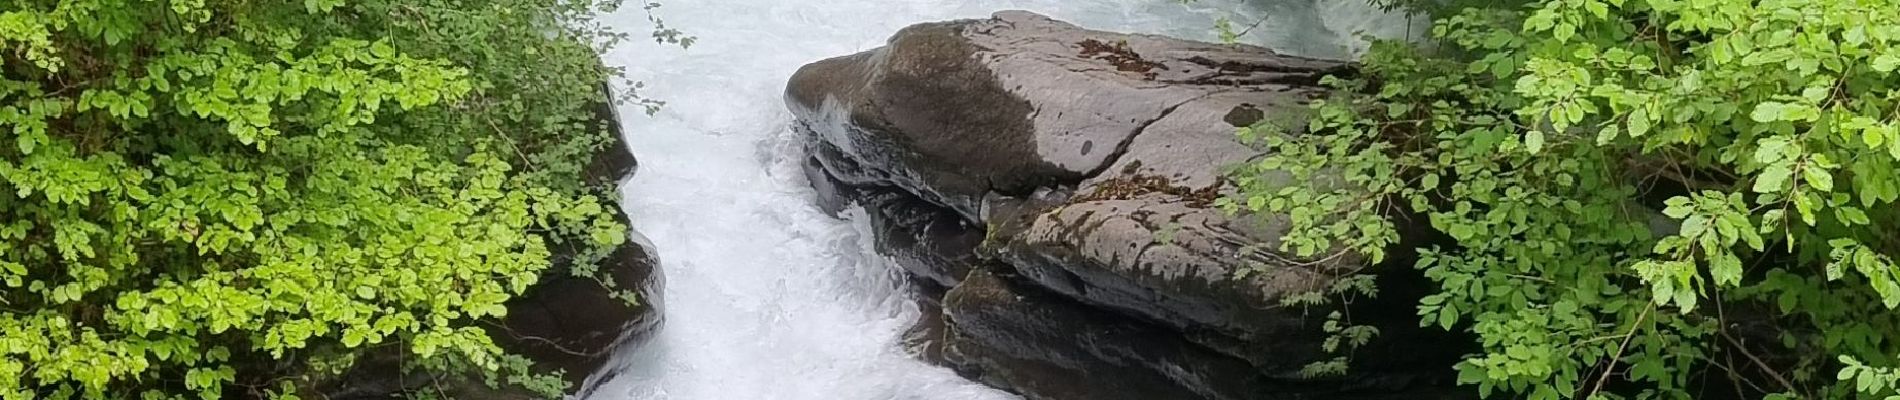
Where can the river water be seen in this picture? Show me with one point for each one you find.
(767, 297)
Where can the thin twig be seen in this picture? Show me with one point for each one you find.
(557, 346)
(1772, 373)
(1739, 379)
(1611, 368)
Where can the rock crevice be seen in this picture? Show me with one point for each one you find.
(1121, 148)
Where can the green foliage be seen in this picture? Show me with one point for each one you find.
(215, 198)
(1638, 194)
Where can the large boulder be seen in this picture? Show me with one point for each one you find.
(955, 110)
(1089, 162)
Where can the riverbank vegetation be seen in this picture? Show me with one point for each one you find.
(1640, 198)
(212, 199)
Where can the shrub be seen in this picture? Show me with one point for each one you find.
(1644, 198)
(215, 198)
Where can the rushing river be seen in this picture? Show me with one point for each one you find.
(767, 297)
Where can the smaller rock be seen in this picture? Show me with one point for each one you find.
(574, 324)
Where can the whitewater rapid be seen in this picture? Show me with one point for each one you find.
(767, 297)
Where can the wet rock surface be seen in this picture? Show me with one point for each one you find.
(1080, 168)
(929, 242)
(574, 324)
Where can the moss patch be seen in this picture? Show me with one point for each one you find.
(1119, 55)
(1130, 185)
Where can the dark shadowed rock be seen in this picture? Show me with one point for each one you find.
(1049, 347)
(923, 152)
(1089, 162)
(574, 324)
(928, 241)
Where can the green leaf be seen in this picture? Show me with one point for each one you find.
(1886, 62)
(1853, 215)
(1865, 382)
(381, 49)
(1639, 121)
(1461, 232)
(1773, 179)
(1726, 268)
(352, 337)
(1598, 9)
(1609, 134)
(1772, 150)
(1563, 31)
(321, 6)
(1768, 111)
(1819, 178)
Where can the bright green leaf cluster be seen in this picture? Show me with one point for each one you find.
(1640, 197)
(204, 199)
